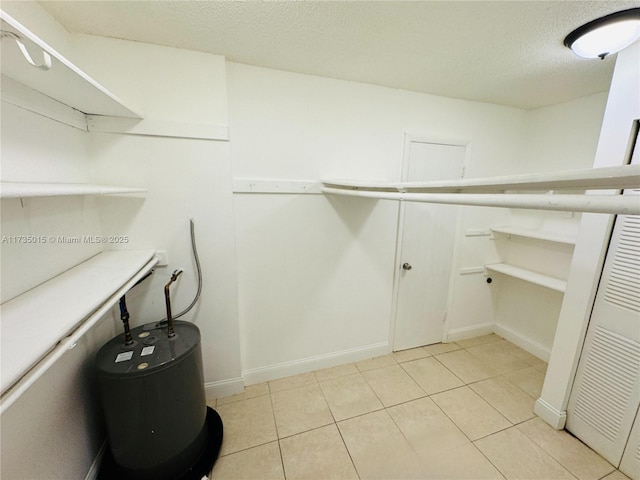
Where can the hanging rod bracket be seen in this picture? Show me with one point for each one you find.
(46, 58)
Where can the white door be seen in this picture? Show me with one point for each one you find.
(606, 393)
(630, 464)
(426, 234)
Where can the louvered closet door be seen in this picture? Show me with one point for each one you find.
(606, 393)
(631, 459)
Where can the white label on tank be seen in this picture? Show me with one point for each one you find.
(124, 356)
(147, 350)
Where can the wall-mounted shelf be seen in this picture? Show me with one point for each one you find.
(528, 276)
(37, 323)
(536, 234)
(24, 190)
(64, 81)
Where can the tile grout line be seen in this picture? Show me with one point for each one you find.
(387, 408)
(551, 454)
(275, 424)
(465, 384)
(458, 427)
(337, 427)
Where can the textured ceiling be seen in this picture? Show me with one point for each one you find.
(503, 52)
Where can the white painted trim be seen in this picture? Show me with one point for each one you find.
(92, 474)
(21, 96)
(534, 348)
(393, 313)
(258, 185)
(556, 418)
(304, 365)
(469, 332)
(471, 270)
(157, 128)
(224, 388)
(410, 138)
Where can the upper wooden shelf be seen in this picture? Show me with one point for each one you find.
(626, 176)
(24, 190)
(64, 81)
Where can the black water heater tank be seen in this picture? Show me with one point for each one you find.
(153, 399)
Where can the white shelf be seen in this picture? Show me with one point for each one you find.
(64, 82)
(626, 176)
(537, 234)
(528, 276)
(23, 190)
(35, 322)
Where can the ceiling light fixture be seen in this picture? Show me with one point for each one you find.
(605, 35)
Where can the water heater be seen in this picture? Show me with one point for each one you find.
(152, 392)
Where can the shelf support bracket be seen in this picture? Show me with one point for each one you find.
(46, 58)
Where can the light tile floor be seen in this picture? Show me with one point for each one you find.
(449, 411)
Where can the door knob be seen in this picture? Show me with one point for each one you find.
(406, 266)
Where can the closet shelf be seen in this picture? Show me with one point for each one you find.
(42, 320)
(528, 276)
(536, 234)
(625, 176)
(23, 190)
(63, 81)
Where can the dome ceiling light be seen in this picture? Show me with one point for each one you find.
(605, 35)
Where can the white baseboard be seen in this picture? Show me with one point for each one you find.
(92, 474)
(295, 367)
(534, 348)
(556, 418)
(224, 388)
(470, 332)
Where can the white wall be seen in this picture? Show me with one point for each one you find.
(315, 273)
(35, 148)
(560, 137)
(185, 178)
(56, 421)
(330, 300)
(54, 430)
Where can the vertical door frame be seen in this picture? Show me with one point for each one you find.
(404, 169)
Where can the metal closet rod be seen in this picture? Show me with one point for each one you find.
(607, 178)
(613, 204)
